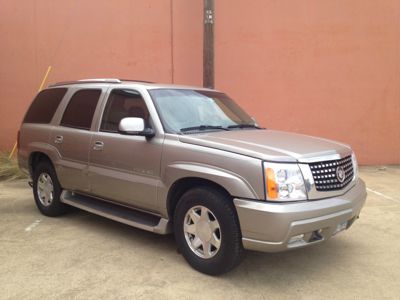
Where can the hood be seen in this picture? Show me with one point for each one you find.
(270, 145)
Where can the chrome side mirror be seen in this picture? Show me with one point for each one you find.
(135, 126)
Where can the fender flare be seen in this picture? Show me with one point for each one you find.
(235, 184)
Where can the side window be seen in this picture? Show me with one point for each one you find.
(123, 104)
(44, 106)
(80, 109)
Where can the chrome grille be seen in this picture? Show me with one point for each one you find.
(325, 174)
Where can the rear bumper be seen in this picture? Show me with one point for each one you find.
(274, 227)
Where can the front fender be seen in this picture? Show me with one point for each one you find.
(234, 183)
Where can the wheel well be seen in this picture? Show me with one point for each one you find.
(35, 158)
(181, 186)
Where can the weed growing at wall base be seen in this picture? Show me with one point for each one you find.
(9, 169)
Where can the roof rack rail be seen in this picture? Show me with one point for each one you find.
(94, 80)
(113, 80)
(97, 80)
(134, 80)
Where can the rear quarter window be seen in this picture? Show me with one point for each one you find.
(44, 106)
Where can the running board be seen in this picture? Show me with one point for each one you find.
(117, 213)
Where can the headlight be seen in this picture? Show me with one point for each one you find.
(355, 165)
(284, 182)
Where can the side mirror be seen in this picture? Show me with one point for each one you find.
(135, 126)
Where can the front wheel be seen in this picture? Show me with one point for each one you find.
(207, 231)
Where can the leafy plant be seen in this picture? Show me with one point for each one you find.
(9, 169)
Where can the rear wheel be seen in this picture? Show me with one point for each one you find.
(207, 231)
(47, 190)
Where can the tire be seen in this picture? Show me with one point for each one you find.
(47, 190)
(225, 249)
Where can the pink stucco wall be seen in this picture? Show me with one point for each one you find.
(326, 68)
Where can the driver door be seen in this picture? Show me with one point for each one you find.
(125, 168)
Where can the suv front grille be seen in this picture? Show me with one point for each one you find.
(326, 174)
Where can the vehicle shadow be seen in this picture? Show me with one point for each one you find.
(135, 236)
(295, 268)
(273, 269)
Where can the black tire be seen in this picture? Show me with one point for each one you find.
(55, 208)
(230, 252)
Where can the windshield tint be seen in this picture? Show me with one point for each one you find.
(183, 109)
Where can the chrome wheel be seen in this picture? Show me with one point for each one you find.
(202, 231)
(45, 189)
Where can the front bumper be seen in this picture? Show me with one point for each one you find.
(274, 227)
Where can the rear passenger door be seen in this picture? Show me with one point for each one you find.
(125, 168)
(72, 139)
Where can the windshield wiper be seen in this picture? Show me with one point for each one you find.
(245, 126)
(202, 127)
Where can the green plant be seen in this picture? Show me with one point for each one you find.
(9, 169)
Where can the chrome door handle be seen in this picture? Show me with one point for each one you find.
(98, 145)
(59, 139)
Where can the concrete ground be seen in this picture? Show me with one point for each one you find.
(85, 256)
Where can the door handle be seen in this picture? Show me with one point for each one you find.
(59, 139)
(98, 145)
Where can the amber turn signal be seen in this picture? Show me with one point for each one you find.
(272, 188)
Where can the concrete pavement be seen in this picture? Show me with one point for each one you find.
(83, 256)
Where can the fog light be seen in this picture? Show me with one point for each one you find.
(296, 239)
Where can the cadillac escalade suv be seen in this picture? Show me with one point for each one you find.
(169, 158)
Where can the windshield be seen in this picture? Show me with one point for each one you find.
(190, 110)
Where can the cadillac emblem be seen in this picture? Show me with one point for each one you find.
(340, 174)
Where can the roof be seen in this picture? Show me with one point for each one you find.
(116, 81)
